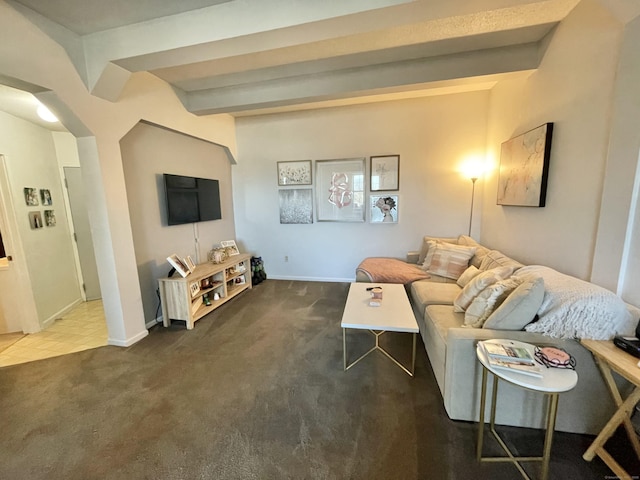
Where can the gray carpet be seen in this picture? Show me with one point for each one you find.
(255, 391)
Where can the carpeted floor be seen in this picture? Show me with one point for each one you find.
(255, 391)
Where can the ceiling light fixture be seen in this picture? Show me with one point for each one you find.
(45, 114)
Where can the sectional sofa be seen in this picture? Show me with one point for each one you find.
(533, 304)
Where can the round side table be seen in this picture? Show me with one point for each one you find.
(553, 382)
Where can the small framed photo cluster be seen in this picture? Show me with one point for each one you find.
(340, 190)
(33, 199)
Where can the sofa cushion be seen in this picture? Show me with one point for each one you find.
(467, 276)
(574, 308)
(519, 308)
(430, 293)
(425, 245)
(448, 260)
(488, 300)
(477, 285)
(444, 318)
(495, 259)
(481, 251)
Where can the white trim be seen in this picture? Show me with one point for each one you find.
(152, 323)
(60, 313)
(129, 341)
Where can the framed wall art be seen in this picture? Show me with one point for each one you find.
(50, 218)
(340, 190)
(31, 196)
(524, 168)
(35, 220)
(296, 205)
(294, 173)
(385, 173)
(383, 208)
(45, 196)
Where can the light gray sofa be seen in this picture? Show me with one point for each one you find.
(451, 347)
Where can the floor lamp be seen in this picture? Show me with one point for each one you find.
(473, 191)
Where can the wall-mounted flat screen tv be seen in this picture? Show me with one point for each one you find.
(191, 199)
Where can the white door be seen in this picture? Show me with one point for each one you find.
(82, 230)
(17, 307)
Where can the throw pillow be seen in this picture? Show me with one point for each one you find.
(449, 260)
(519, 308)
(425, 245)
(477, 285)
(488, 300)
(467, 276)
(495, 259)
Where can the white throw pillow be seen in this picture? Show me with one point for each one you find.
(467, 276)
(519, 308)
(477, 285)
(488, 300)
(448, 260)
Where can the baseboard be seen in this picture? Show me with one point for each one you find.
(153, 323)
(60, 313)
(312, 279)
(129, 341)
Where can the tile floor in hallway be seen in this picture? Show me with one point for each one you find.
(82, 328)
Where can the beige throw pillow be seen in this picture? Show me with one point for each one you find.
(519, 308)
(488, 300)
(426, 246)
(477, 285)
(449, 260)
(467, 276)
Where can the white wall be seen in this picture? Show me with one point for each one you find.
(573, 89)
(31, 162)
(29, 55)
(432, 136)
(147, 153)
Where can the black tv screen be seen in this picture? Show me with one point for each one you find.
(191, 199)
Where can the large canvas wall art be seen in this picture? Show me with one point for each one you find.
(340, 190)
(524, 168)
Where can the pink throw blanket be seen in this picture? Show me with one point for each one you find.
(390, 270)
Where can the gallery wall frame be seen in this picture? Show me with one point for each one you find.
(31, 197)
(340, 190)
(383, 209)
(296, 172)
(524, 168)
(384, 173)
(296, 205)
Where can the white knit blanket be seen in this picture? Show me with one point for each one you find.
(573, 308)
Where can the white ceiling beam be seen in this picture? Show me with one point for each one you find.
(363, 81)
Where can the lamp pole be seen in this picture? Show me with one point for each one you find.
(473, 191)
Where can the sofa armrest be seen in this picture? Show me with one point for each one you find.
(412, 256)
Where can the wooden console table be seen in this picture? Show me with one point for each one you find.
(611, 358)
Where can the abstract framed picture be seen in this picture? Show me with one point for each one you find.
(383, 209)
(524, 168)
(296, 205)
(385, 173)
(340, 190)
(294, 173)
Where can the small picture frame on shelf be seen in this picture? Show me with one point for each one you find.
(230, 247)
(189, 263)
(178, 264)
(194, 288)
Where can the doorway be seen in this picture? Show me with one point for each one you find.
(82, 232)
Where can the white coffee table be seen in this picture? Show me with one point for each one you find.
(393, 315)
(553, 382)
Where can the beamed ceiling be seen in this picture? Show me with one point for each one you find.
(246, 57)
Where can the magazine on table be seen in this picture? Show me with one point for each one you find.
(506, 351)
(526, 369)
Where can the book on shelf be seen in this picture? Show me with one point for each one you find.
(507, 351)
